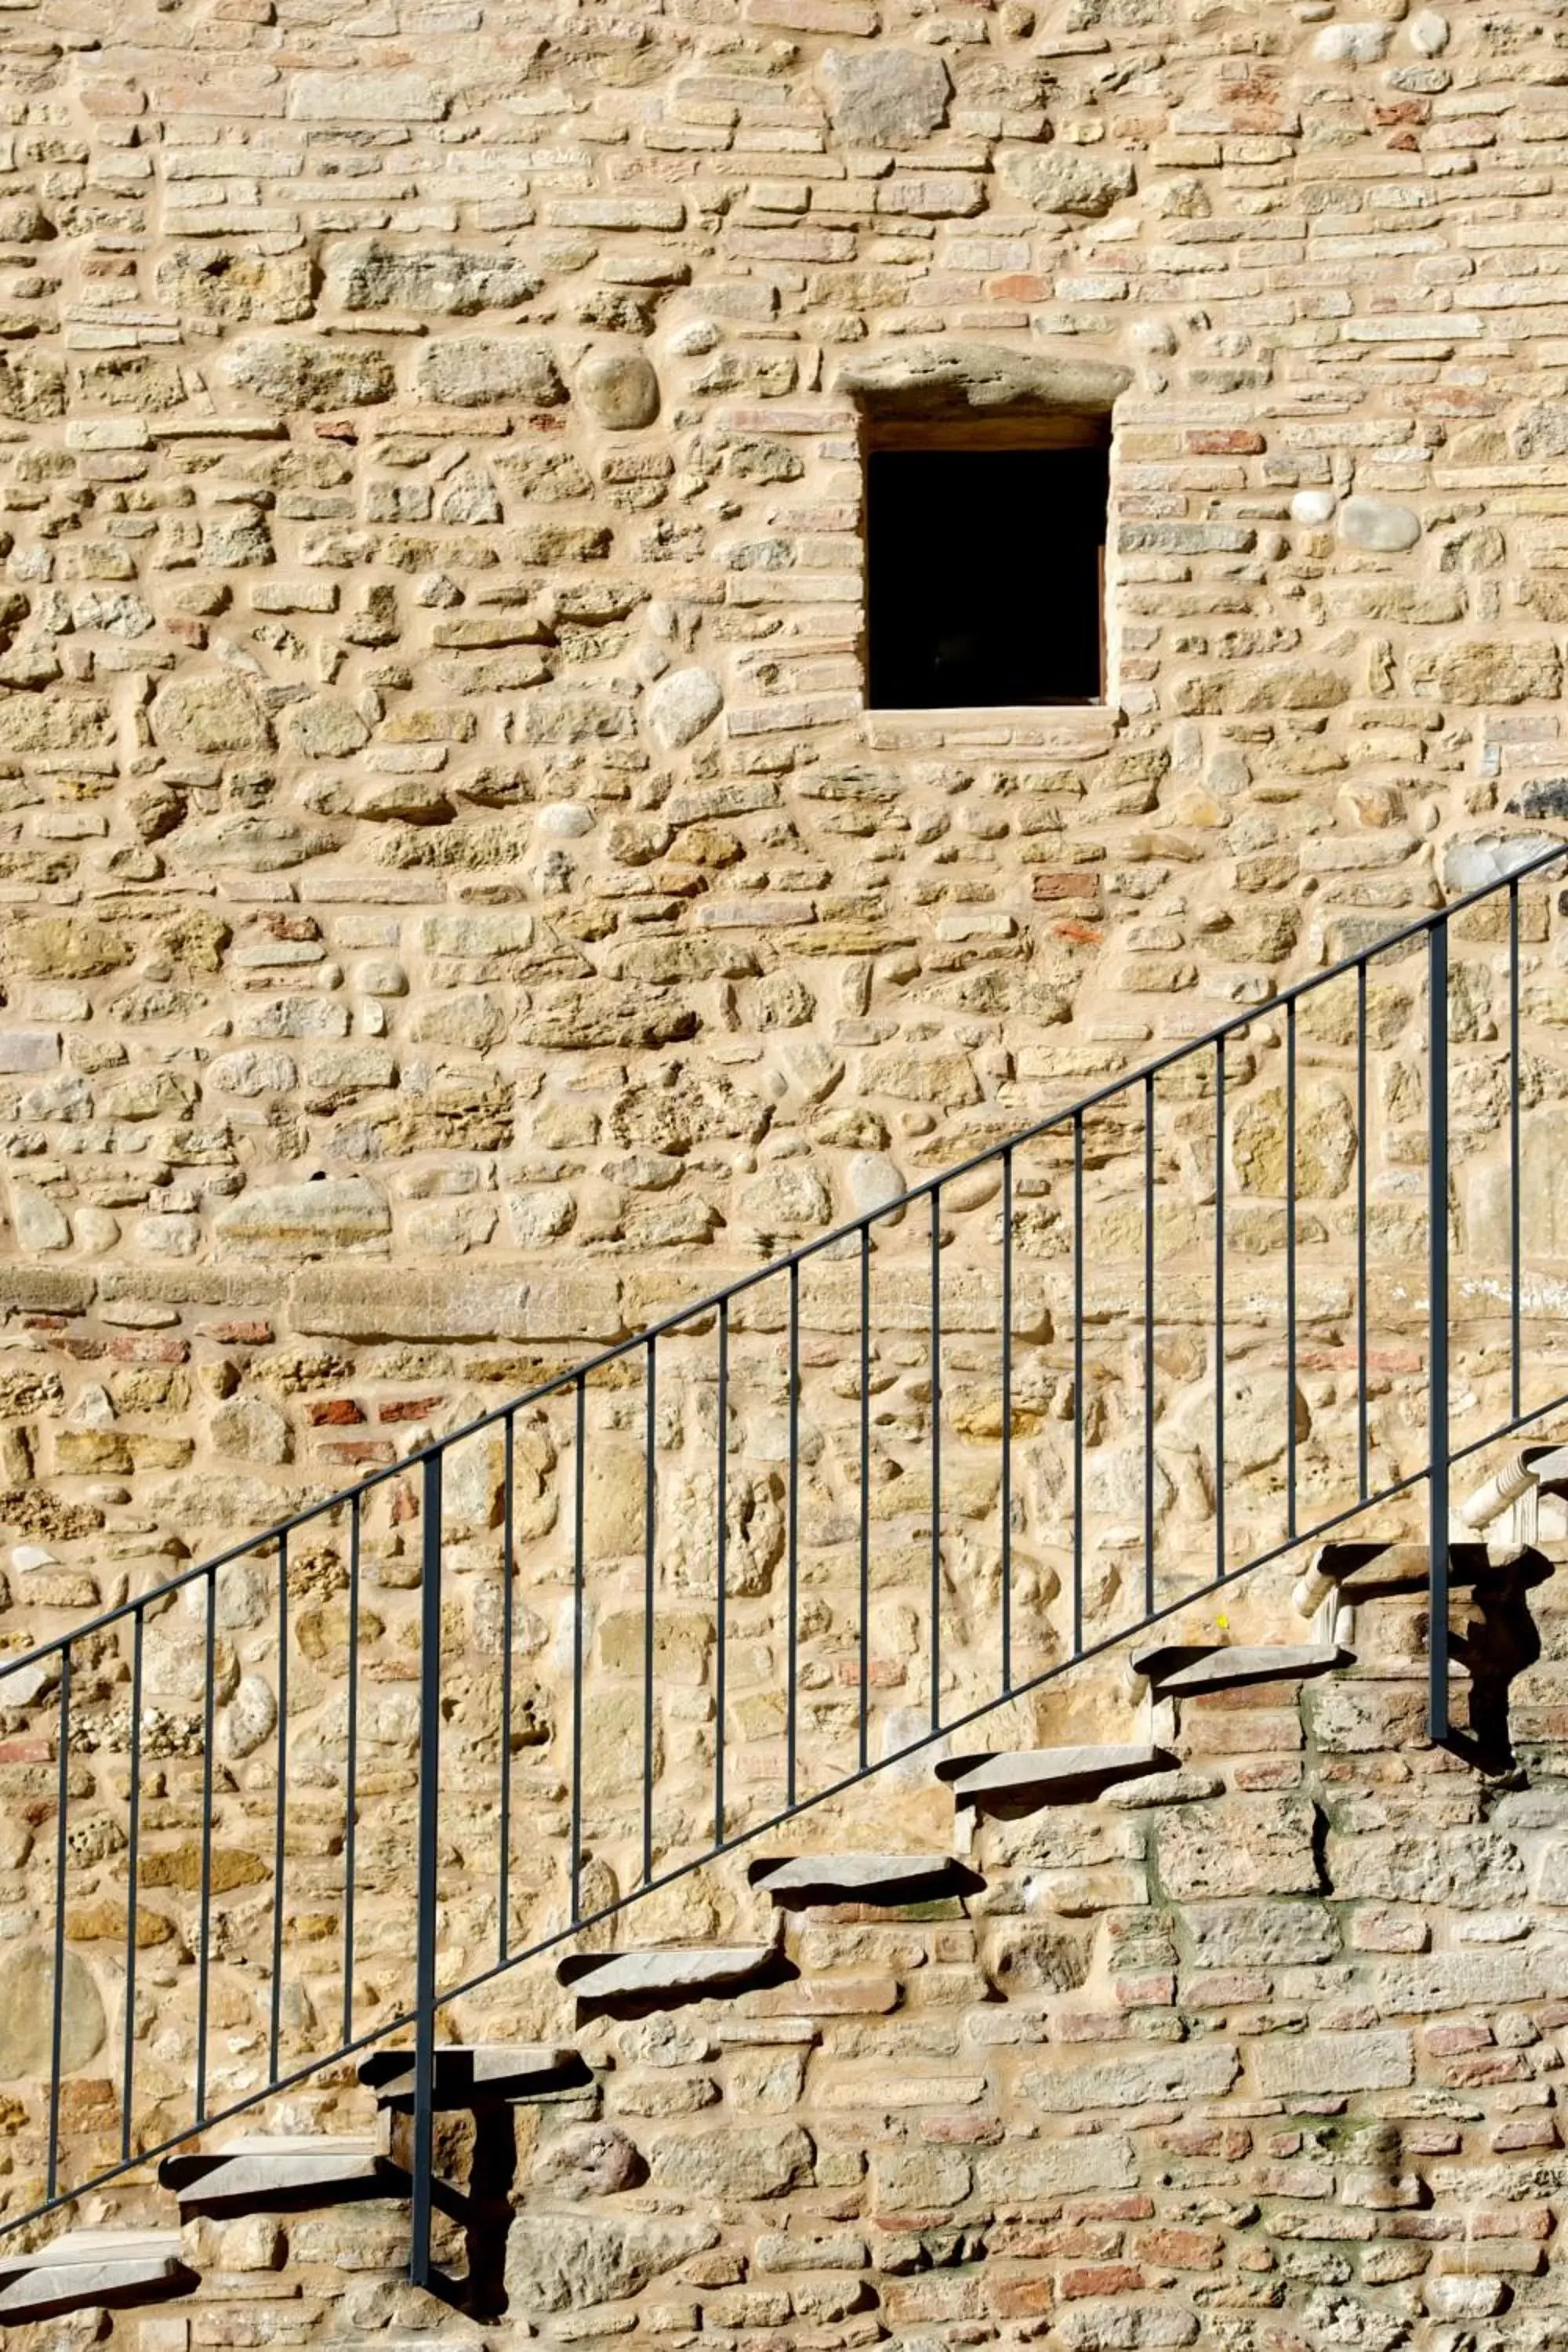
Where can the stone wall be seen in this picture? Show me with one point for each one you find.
(456, 906)
(436, 756)
(1261, 2051)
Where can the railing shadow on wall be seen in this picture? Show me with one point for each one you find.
(793, 1535)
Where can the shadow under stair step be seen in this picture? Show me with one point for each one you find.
(467, 2070)
(665, 1976)
(1044, 1776)
(1174, 1671)
(269, 2172)
(84, 2267)
(1360, 1571)
(890, 1878)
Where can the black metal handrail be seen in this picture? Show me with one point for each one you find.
(74, 1670)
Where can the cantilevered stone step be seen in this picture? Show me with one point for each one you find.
(1046, 1776)
(467, 2070)
(665, 1977)
(267, 2172)
(890, 1878)
(1172, 1671)
(1358, 1571)
(84, 2267)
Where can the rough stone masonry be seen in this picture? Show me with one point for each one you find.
(458, 905)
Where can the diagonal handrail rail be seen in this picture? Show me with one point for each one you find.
(848, 1241)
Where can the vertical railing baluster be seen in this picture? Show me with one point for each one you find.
(508, 1492)
(1438, 1463)
(1219, 1565)
(351, 1773)
(133, 1875)
(579, 1489)
(1290, 1505)
(791, 1543)
(426, 1914)
(1364, 1159)
(1008, 1421)
(1515, 1195)
(279, 1833)
(651, 1502)
(1078, 1383)
(936, 1457)
(204, 1947)
(1149, 1346)
(57, 2026)
(722, 1595)
(864, 1494)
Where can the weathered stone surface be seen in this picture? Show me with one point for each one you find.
(253, 1429)
(885, 97)
(604, 1013)
(1325, 1141)
(229, 287)
(860, 1877)
(250, 1717)
(26, 2013)
(557, 2261)
(358, 1302)
(1543, 1194)
(1491, 857)
(310, 376)
(1474, 672)
(1354, 45)
(1260, 1935)
(1250, 1846)
(210, 715)
(65, 947)
(940, 379)
(472, 371)
(755, 2162)
(326, 729)
(53, 722)
(1378, 525)
(668, 1970)
(1470, 1868)
(1062, 179)
(313, 1218)
(590, 2160)
(1046, 1774)
(428, 280)
(90, 2269)
(619, 389)
(681, 705)
(1318, 2063)
(1204, 2072)
(32, 385)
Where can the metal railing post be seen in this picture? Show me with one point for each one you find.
(1438, 1463)
(430, 1820)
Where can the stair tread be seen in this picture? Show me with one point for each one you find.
(862, 1878)
(1226, 1666)
(669, 1967)
(477, 2066)
(95, 2246)
(1045, 1769)
(83, 2267)
(268, 2163)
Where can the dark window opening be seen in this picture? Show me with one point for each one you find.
(985, 576)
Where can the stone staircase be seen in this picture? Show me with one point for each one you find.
(1134, 1902)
